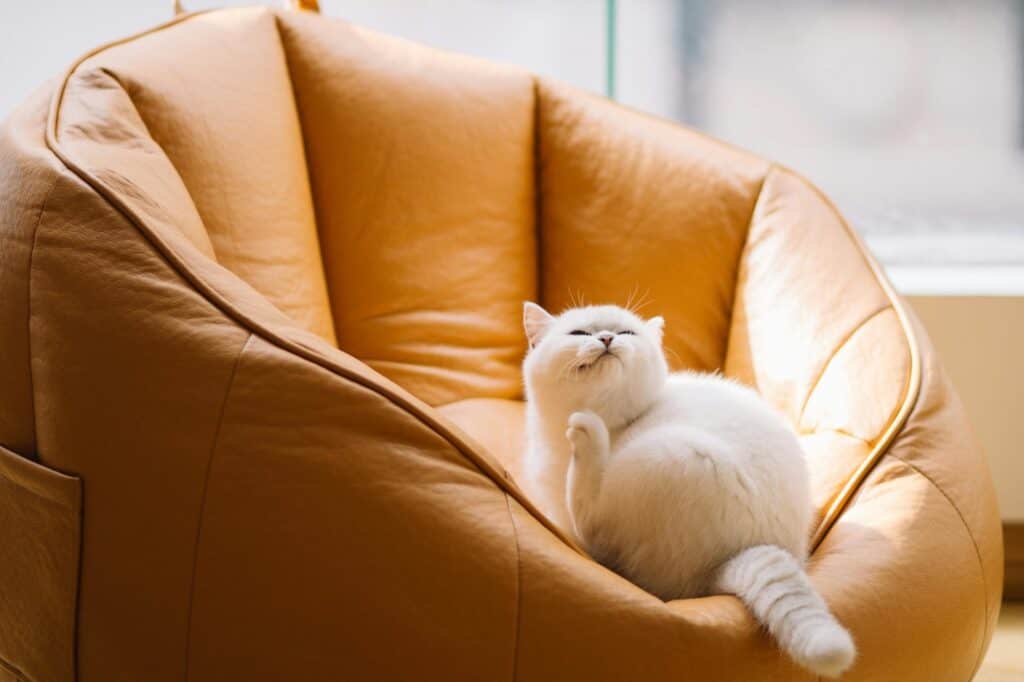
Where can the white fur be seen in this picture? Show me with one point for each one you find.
(687, 484)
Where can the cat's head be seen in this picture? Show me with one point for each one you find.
(602, 351)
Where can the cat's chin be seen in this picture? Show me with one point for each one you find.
(602, 361)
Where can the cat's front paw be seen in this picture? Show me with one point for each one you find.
(585, 429)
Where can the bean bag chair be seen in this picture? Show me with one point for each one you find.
(261, 278)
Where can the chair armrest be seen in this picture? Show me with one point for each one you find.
(917, 558)
(818, 331)
(335, 524)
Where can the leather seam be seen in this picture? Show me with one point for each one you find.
(202, 503)
(314, 204)
(974, 544)
(519, 590)
(28, 312)
(739, 262)
(130, 95)
(832, 356)
(13, 669)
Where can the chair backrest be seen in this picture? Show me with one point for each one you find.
(210, 101)
(403, 202)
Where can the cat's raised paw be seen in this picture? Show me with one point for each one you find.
(586, 428)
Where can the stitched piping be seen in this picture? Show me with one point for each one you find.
(28, 312)
(913, 392)
(913, 388)
(300, 122)
(35, 439)
(202, 499)
(739, 262)
(254, 325)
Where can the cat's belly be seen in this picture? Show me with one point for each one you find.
(668, 515)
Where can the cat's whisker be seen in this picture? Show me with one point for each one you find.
(677, 361)
(642, 303)
(632, 294)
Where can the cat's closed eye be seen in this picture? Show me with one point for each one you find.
(627, 331)
(579, 332)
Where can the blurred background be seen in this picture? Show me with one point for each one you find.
(907, 113)
(910, 114)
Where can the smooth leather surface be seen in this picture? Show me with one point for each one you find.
(636, 209)
(498, 425)
(426, 220)
(267, 499)
(237, 145)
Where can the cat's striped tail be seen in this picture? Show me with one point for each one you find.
(773, 585)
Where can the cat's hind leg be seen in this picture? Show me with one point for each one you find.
(591, 443)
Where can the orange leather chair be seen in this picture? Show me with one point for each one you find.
(261, 277)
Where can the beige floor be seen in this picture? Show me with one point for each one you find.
(1005, 659)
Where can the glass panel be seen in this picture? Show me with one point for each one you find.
(907, 113)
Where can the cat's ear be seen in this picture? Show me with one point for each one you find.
(536, 321)
(656, 324)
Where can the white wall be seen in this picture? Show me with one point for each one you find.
(564, 39)
(980, 341)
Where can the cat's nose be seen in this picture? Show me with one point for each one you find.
(606, 339)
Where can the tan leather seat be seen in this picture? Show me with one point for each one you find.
(261, 274)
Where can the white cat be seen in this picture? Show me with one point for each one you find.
(686, 484)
